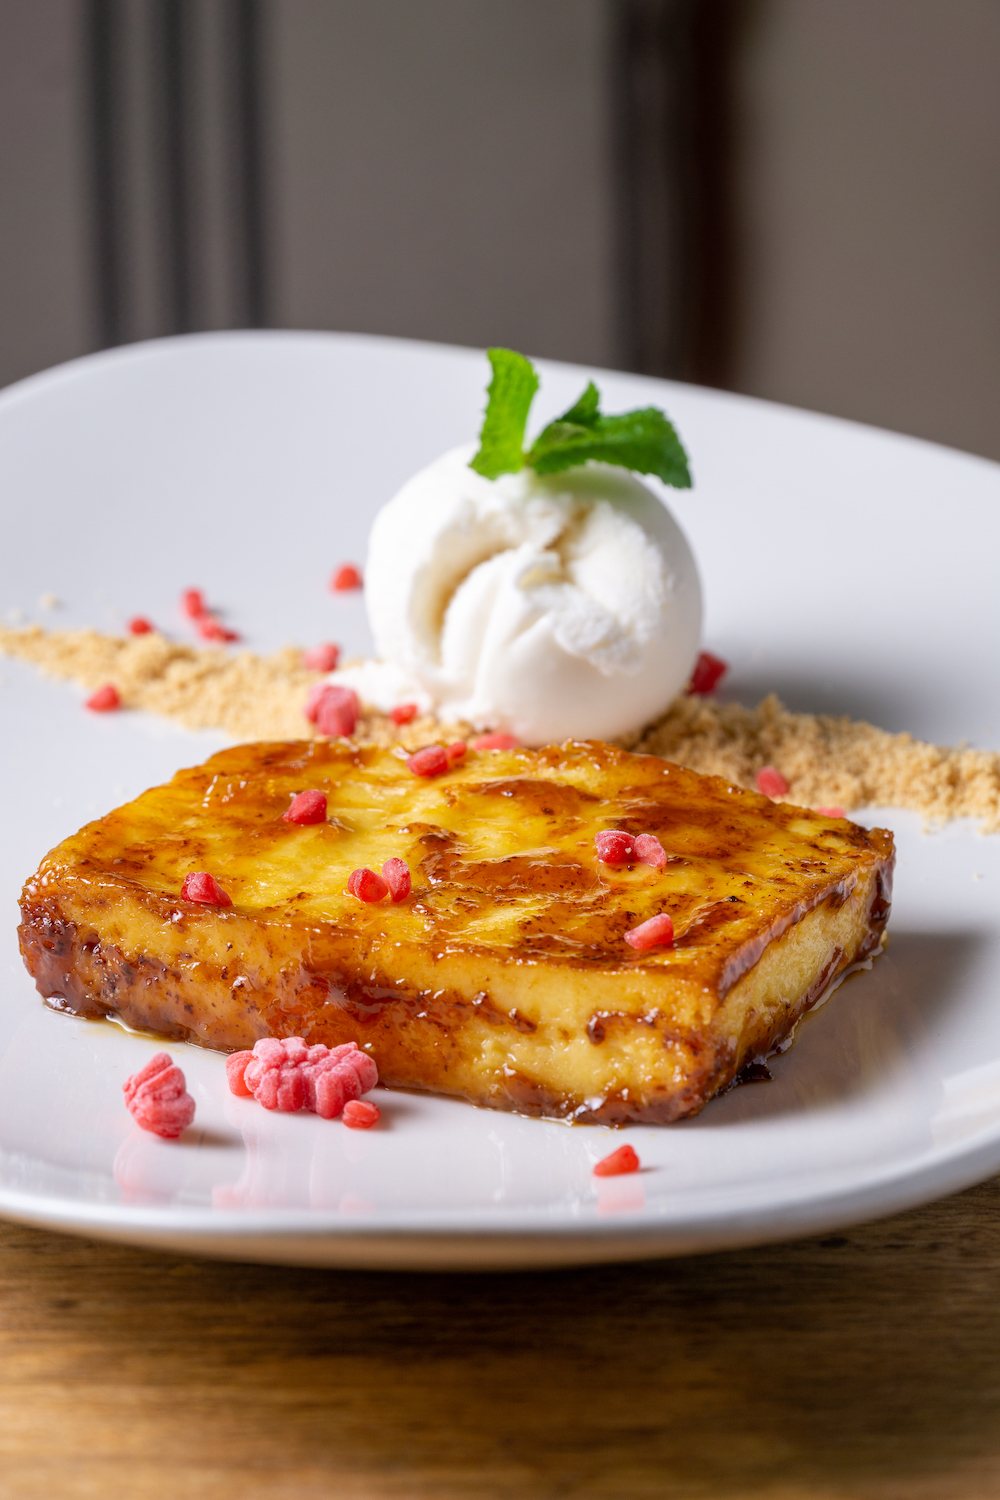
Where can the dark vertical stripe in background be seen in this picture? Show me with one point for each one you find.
(183, 103)
(672, 107)
(102, 91)
(249, 228)
(177, 208)
(713, 233)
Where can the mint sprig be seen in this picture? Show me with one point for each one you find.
(509, 397)
(644, 441)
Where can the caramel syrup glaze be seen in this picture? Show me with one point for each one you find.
(511, 949)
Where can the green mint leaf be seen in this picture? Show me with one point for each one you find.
(586, 411)
(643, 441)
(509, 397)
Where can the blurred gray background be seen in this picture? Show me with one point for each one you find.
(792, 198)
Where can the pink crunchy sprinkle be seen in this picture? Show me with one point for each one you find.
(313, 697)
(333, 709)
(157, 1097)
(211, 629)
(204, 888)
(496, 741)
(236, 1066)
(456, 751)
(649, 851)
(658, 932)
(103, 699)
(771, 782)
(287, 1074)
(432, 760)
(306, 807)
(346, 577)
(322, 658)
(708, 672)
(618, 1163)
(193, 603)
(831, 812)
(361, 1114)
(397, 878)
(366, 885)
(139, 625)
(403, 713)
(615, 847)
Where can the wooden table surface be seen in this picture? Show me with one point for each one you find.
(859, 1364)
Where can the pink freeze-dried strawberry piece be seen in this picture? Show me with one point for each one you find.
(157, 1097)
(104, 699)
(618, 1163)
(771, 782)
(397, 877)
(341, 1075)
(277, 1085)
(649, 851)
(615, 847)
(157, 1065)
(366, 885)
(205, 889)
(831, 812)
(496, 741)
(193, 603)
(306, 807)
(333, 709)
(403, 713)
(321, 658)
(139, 625)
(456, 751)
(658, 932)
(361, 1114)
(288, 1075)
(211, 629)
(346, 577)
(332, 1088)
(708, 672)
(315, 693)
(432, 760)
(236, 1067)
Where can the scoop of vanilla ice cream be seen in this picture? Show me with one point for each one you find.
(561, 607)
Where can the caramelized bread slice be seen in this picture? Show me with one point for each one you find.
(505, 977)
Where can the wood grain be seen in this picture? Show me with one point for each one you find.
(862, 1364)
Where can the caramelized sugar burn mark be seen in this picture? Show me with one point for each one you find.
(660, 1105)
(535, 796)
(603, 1022)
(582, 934)
(753, 1071)
(882, 900)
(378, 1006)
(539, 873)
(47, 947)
(740, 962)
(95, 980)
(709, 919)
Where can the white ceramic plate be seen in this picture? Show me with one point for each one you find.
(846, 569)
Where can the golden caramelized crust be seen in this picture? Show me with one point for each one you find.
(505, 977)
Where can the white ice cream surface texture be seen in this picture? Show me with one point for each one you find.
(554, 608)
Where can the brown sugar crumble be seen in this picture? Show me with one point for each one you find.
(826, 759)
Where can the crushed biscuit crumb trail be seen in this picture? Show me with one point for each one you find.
(827, 761)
